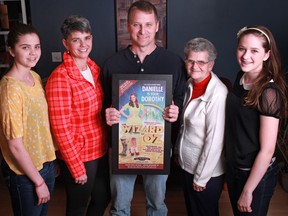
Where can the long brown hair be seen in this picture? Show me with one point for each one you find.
(271, 68)
(131, 103)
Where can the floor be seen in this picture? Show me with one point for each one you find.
(174, 201)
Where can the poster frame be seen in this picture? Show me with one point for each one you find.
(123, 86)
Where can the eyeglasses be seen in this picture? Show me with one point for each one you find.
(199, 63)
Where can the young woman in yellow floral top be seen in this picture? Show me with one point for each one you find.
(26, 142)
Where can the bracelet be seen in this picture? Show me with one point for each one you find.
(40, 184)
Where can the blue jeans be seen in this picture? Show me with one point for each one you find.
(122, 187)
(262, 194)
(22, 190)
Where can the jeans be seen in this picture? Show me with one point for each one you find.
(122, 187)
(236, 179)
(22, 190)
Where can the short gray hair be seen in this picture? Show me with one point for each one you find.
(201, 45)
(75, 23)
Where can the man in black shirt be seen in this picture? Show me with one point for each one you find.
(143, 56)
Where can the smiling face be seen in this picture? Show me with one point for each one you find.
(251, 54)
(79, 45)
(27, 50)
(142, 27)
(197, 65)
(133, 98)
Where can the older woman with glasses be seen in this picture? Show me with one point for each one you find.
(199, 148)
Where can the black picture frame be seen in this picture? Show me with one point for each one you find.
(122, 35)
(149, 134)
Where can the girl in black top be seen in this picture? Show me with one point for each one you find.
(253, 110)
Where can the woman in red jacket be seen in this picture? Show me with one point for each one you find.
(75, 96)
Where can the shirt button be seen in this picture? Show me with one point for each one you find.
(142, 69)
(138, 61)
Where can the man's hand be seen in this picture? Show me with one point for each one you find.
(171, 113)
(112, 116)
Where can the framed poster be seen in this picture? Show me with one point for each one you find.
(141, 142)
(122, 35)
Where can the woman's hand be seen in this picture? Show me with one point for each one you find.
(268, 138)
(198, 188)
(43, 193)
(244, 202)
(81, 180)
(112, 116)
(24, 160)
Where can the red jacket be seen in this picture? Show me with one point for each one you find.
(75, 114)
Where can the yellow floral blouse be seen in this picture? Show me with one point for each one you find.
(24, 114)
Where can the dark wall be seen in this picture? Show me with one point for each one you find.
(218, 21)
(48, 15)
